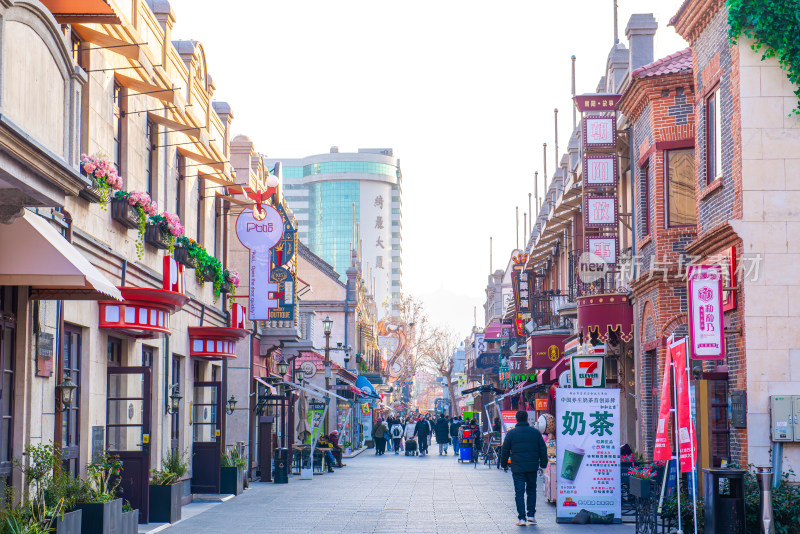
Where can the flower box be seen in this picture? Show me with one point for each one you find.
(130, 522)
(92, 193)
(155, 237)
(640, 487)
(124, 213)
(226, 287)
(101, 517)
(231, 480)
(182, 256)
(165, 503)
(207, 275)
(69, 523)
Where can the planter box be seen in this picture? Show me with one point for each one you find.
(124, 213)
(101, 517)
(92, 193)
(182, 256)
(130, 522)
(227, 287)
(69, 523)
(154, 237)
(231, 480)
(640, 487)
(207, 275)
(165, 503)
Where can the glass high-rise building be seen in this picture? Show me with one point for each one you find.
(322, 191)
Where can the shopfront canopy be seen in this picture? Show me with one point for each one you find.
(35, 254)
(362, 383)
(498, 332)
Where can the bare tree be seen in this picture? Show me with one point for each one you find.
(438, 354)
(412, 316)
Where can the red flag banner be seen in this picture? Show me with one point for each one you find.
(663, 450)
(687, 441)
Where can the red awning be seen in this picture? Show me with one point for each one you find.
(75, 11)
(600, 314)
(497, 332)
(553, 374)
(143, 314)
(214, 342)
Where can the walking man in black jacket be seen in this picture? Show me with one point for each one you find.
(525, 446)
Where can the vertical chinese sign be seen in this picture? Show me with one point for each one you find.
(587, 444)
(705, 312)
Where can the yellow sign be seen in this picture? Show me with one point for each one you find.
(145, 438)
(553, 353)
(217, 433)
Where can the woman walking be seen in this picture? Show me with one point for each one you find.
(422, 431)
(442, 434)
(396, 430)
(380, 432)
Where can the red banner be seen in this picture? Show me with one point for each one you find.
(687, 441)
(663, 450)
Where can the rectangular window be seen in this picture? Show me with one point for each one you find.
(680, 187)
(114, 351)
(150, 133)
(147, 356)
(180, 164)
(200, 210)
(175, 431)
(118, 115)
(713, 138)
(645, 198)
(76, 49)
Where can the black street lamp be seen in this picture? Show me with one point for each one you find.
(174, 399)
(283, 366)
(64, 393)
(231, 405)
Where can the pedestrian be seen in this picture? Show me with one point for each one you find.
(408, 435)
(477, 438)
(454, 426)
(380, 433)
(442, 429)
(337, 449)
(389, 423)
(397, 435)
(422, 431)
(524, 445)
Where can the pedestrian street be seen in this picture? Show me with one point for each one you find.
(384, 494)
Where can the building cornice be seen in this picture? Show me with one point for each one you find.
(693, 16)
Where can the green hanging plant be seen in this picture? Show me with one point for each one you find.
(774, 27)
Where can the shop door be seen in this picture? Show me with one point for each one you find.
(71, 417)
(128, 432)
(206, 437)
(8, 330)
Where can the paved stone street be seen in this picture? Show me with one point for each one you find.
(384, 494)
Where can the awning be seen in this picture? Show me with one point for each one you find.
(47, 262)
(72, 11)
(599, 315)
(214, 342)
(553, 374)
(144, 314)
(497, 332)
(272, 390)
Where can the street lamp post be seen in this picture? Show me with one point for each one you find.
(327, 326)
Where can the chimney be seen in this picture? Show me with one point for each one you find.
(334, 150)
(640, 32)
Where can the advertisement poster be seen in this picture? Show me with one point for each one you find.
(509, 422)
(315, 411)
(663, 449)
(705, 312)
(687, 440)
(588, 460)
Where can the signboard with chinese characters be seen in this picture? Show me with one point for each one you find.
(489, 362)
(284, 273)
(600, 171)
(519, 281)
(588, 371)
(599, 132)
(605, 247)
(587, 448)
(545, 350)
(600, 211)
(705, 312)
(596, 102)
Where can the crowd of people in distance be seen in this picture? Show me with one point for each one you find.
(413, 435)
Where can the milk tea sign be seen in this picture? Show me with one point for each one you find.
(705, 312)
(259, 236)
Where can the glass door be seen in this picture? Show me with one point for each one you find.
(128, 432)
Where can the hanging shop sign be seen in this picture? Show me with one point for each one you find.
(259, 236)
(599, 131)
(587, 445)
(596, 102)
(505, 374)
(705, 312)
(545, 350)
(605, 248)
(600, 211)
(729, 279)
(540, 405)
(517, 365)
(600, 171)
(588, 371)
(283, 272)
(520, 280)
(488, 362)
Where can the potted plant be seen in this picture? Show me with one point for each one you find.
(640, 479)
(231, 282)
(166, 489)
(183, 251)
(130, 519)
(162, 231)
(131, 209)
(105, 179)
(232, 472)
(103, 513)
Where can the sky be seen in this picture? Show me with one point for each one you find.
(463, 91)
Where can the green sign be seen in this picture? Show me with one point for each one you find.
(588, 372)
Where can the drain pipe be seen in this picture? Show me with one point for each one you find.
(777, 462)
(765, 481)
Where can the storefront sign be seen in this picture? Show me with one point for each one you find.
(517, 364)
(489, 362)
(540, 405)
(600, 171)
(705, 312)
(588, 372)
(283, 272)
(259, 236)
(509, 421)
(599, 132)
(604, 247)
(545, 350)
(44, 354)
(596, 102)
(687, 439)
(315, 411)
(587, 444)
(600, 211)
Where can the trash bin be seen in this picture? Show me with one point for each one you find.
(724, 501)
(281, 471)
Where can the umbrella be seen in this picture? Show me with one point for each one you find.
(303, 430)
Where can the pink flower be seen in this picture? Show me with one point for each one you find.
(89, 167)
